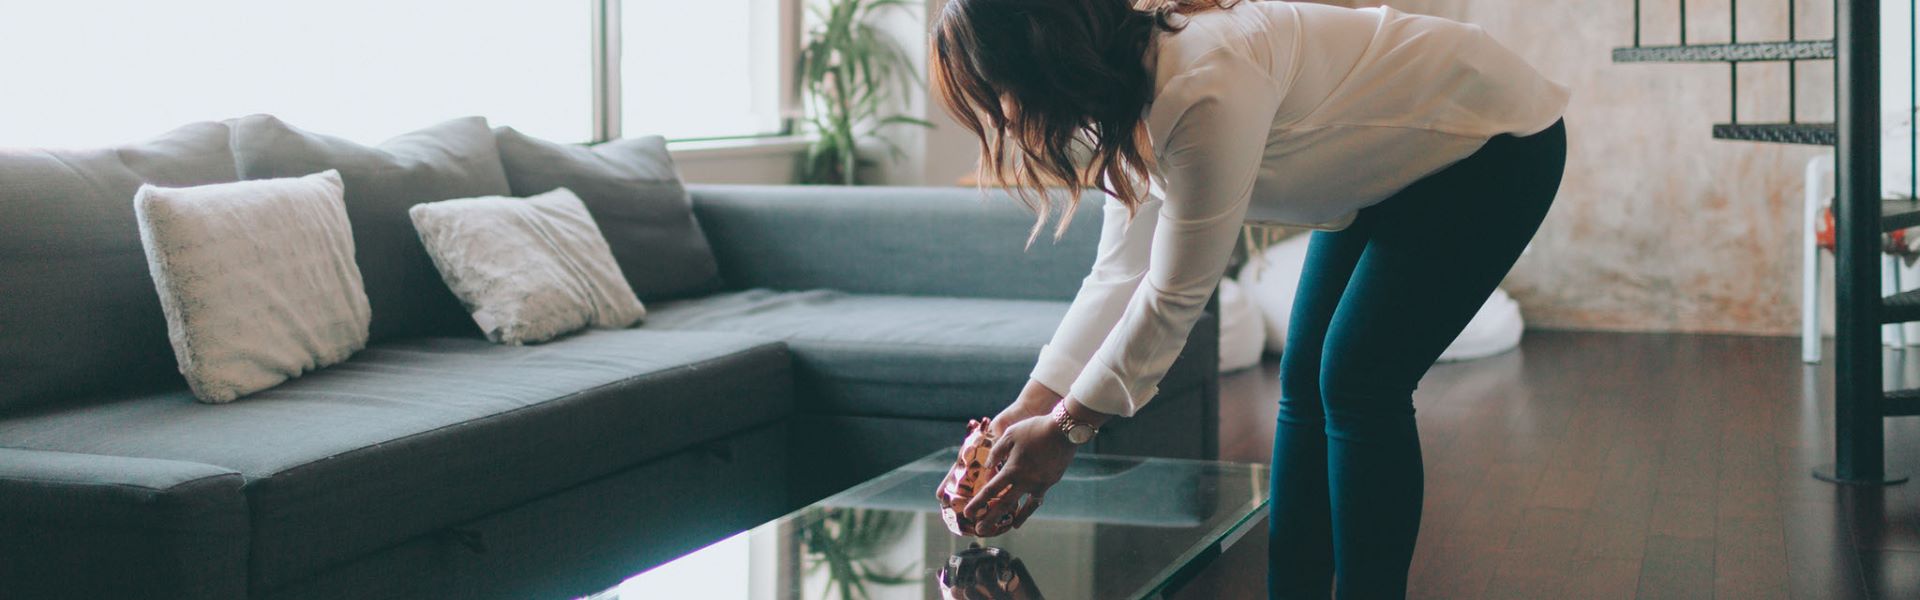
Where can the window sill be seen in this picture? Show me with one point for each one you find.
(739, 148)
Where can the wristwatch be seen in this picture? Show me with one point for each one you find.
(1077, 432)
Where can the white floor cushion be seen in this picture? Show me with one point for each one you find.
(528, 269)
(256, 278)
(1271, 283)
(1494, 330)
(1243, 330)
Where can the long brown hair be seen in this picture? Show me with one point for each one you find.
(1039, 81)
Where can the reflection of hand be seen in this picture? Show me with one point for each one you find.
(1033, 455)
(978, 573)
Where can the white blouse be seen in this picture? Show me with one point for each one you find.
(1276, 112)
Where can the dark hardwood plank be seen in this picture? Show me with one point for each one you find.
(1750, 558)
(1602, 465)
(1601, 579)
(1676, 568)
(1535, 565)
(1682, 516)
(1822, 562)
(1249, 403)
(1240, 572)
(1892, 573)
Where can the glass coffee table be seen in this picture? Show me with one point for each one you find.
(1115, 527)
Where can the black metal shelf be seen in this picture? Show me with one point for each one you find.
(1900, 403)
(1903, 307)
(1814, 134)
(1860, 398)
(1745, 52)
(1897, 214)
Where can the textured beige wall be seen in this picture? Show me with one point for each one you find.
(1659, 227)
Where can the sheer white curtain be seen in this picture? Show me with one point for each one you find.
(701, 69)
(107, 71)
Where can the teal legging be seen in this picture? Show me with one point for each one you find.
(1377, 304)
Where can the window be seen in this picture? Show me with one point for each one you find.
(719, 571)
(114, 71)
(98, 73)
(706, 69)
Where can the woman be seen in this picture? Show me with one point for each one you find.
(1425, 152)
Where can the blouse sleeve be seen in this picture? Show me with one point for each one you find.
(1117, 270)
(1216, 116)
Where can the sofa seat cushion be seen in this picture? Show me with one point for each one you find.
(412, 436)
(894, 356)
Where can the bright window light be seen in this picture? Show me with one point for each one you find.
(718, 572)
(113, 71)
(701, 69)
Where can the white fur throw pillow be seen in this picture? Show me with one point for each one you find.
(529, 269)
(256, 278)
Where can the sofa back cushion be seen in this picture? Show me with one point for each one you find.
(634, 193)
(78, 312)
(455, 159)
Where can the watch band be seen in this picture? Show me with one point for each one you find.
(1078, 432)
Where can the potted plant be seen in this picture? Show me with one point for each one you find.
(857, 80)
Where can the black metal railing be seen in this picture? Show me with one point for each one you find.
(1861, 399)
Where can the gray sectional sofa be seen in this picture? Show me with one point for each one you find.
(849, 331)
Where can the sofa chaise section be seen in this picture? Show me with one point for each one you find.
(910, 311)
(413, 436)
(79, 525)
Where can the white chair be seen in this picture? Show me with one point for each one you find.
(1894, 277)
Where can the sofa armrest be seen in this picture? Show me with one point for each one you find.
(81, 525)
(892, 240)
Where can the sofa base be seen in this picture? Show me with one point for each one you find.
(585, 539)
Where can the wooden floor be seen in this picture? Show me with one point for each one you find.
(1591, 465)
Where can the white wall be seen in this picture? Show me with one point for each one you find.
(939, 156)
(1895, 73)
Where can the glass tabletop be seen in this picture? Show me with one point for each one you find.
(1114, 527)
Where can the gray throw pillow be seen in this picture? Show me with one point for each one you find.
(455, 159)
(78, 315)
(634, 193)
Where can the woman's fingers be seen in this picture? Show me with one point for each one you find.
(999, 516)
(1027, 508)
(998, 454)
(984, 496)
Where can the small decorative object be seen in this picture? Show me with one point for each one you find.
(970, 472)
(857, 79)
(988, 573)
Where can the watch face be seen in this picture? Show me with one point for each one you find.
(1080, 434)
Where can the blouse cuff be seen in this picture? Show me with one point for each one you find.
(1103, 390)
(1056, 370)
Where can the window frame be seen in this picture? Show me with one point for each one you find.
(608, 86)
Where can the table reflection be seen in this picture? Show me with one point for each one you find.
(986, 573)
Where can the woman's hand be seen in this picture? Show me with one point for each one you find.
(1033, 454)
(1034, 401)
